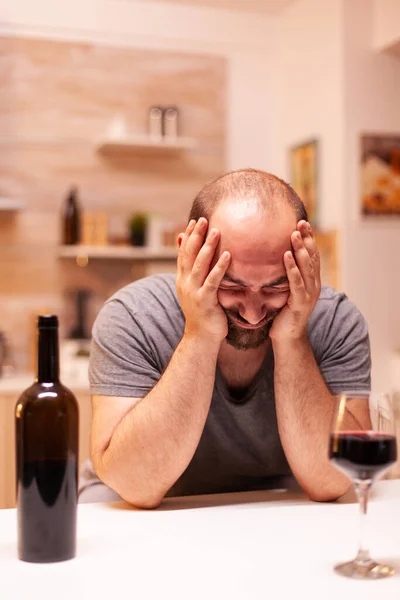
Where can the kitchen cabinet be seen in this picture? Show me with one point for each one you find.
(395, 390)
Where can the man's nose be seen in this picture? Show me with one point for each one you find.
(253, 310)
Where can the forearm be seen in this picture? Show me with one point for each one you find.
(156, 440)
(304, 408)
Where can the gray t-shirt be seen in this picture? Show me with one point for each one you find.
(134, 337)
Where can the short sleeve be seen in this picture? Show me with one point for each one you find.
(344, 348)
(121, 359)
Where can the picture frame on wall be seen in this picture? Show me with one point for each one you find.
(380, 175)
(304, 162)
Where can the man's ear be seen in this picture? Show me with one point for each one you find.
(180, 238)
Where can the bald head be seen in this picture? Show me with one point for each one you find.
(247, 190)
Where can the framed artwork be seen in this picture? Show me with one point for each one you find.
(380, 175)
(304, 176)
(327, 242)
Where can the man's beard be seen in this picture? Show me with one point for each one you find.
(246, 339)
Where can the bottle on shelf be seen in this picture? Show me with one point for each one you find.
(155, 123)
(171, 123)
(72, 218)
(47, 434)
(138, 229)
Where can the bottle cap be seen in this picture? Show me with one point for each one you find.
(47, 321)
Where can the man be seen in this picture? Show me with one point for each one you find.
(223, 379)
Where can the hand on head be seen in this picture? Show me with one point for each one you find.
(302, 266)
(198, 281)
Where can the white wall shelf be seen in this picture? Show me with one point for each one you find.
(145, 143)
(117, 252)
(10, 204)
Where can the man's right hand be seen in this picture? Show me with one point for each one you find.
(197, 283)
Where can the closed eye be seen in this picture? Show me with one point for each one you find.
(231, 289)
(266, 290)
(276, 290)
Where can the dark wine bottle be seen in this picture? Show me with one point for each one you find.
(47, 433)
(72, 219)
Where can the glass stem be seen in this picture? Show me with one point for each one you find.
(362, 490)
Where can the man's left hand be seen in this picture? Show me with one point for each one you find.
(303, 271)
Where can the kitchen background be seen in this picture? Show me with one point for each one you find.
(59, 102)
(251, 80)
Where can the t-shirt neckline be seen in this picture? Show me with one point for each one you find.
(223, 388)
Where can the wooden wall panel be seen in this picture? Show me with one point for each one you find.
(56, 100)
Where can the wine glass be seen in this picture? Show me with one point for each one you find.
(363, 446)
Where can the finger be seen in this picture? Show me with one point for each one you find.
(182, 247)
(201, 266)
(303, 226)
(185, 235)
(311, 245)
(296, 283)
(194, 243)
(216, 275)
(304, 262)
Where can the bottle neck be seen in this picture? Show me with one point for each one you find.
(48, 361)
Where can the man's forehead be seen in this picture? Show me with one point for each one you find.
(248, 215)
(255, 239)
(235, 207)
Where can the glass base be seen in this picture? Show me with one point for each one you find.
(367, 570)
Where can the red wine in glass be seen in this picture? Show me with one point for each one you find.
(362, 455)
(362, 445)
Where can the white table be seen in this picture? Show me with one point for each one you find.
(271, 545)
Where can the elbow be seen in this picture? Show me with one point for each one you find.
(144, 502)
(323, 497)
(328, 494)
(143, 499)
(126, 488)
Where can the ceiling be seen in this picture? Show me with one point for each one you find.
(263, 7)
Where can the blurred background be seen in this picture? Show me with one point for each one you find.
(114, 113)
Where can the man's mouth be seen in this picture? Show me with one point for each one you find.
(245, 325)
